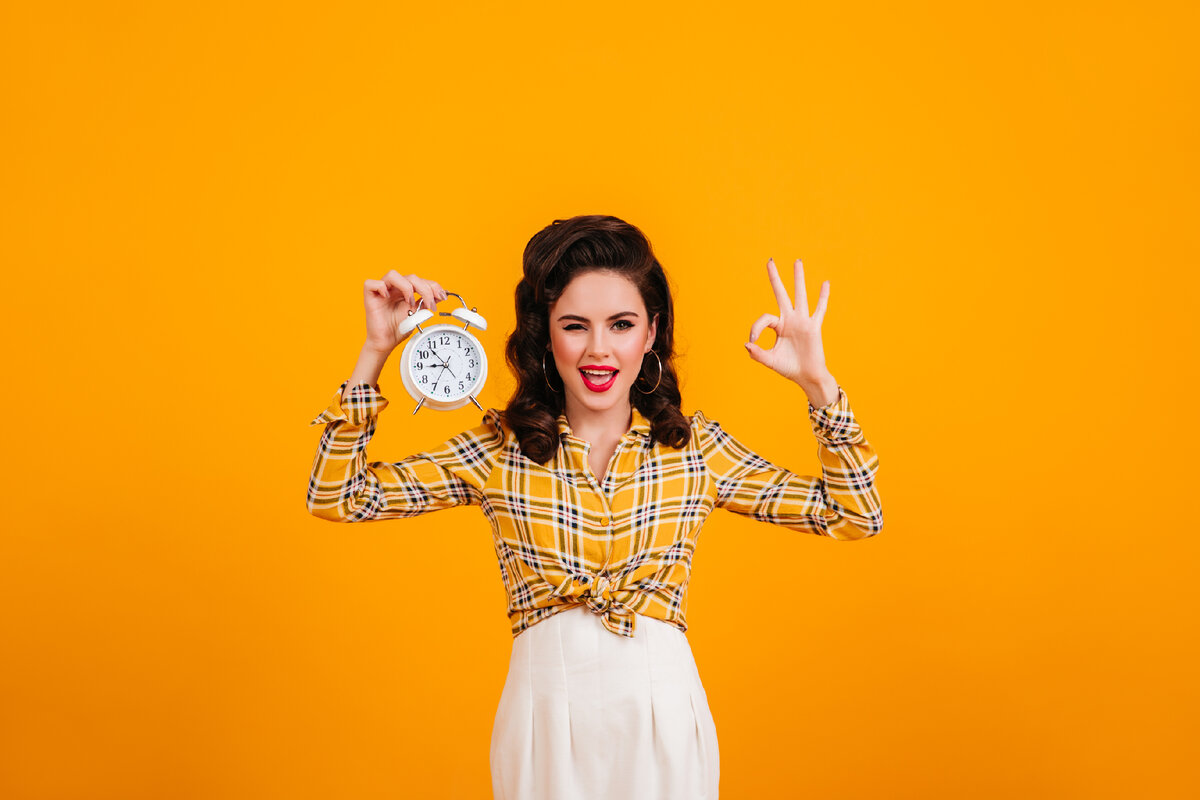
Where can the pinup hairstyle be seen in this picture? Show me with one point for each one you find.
(554, 257)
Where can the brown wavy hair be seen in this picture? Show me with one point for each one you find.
(554, 257)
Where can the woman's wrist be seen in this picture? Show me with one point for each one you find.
(821, 390)
(369, 366)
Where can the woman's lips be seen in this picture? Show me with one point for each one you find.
(602, 386)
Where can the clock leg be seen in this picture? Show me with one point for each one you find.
(476, 402)
(418, 408)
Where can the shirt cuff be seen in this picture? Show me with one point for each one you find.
(835, 423)
(354, 405)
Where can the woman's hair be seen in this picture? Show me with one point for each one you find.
(554, 257)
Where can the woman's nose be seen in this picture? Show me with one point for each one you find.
(597, 344)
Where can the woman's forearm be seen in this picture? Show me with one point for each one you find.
(821, 390)
(369, 366)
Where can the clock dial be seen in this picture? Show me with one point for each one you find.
(446, 364)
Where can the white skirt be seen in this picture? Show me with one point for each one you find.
(586, 714)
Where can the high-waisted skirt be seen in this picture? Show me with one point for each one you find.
(587, 714)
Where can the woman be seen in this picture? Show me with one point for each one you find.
(596, 486)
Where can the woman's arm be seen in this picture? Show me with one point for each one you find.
(842, 503)
(821, 391)
(343, 485)
(369, 366)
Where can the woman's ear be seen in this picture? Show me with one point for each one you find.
(653, 333)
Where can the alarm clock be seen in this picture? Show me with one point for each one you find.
(443, 365)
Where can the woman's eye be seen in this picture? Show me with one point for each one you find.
(621, 325)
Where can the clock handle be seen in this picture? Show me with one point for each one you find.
(470, 317)
(413, 319)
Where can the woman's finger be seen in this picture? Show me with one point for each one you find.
(402, 285)
(380, 289)
(801, 291)
(781, 295)
(762, 323)
(439, 292)
(822, 303)
(758, 354)
(423, 287)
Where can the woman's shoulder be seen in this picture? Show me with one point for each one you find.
(496, 422)
(707, 432)
(491, 433)
(701, 427)
(701, 422)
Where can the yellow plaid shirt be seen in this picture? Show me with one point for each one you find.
(621, 546)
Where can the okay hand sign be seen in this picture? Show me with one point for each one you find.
(798, 353)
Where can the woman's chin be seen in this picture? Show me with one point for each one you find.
(599, 401)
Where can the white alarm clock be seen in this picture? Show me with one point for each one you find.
(443, 365)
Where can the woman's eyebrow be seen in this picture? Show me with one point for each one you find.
(610, 319)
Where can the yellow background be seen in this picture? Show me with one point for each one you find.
(1004, 200)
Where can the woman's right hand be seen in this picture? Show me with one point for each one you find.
(388, 302)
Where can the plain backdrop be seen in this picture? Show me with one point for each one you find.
(1003, 197)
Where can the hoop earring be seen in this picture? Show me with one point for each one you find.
(545, 377)
(659, 360)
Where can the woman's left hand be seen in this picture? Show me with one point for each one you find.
(798, 353)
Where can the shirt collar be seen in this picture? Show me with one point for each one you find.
(640, 426)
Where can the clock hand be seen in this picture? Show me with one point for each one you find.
(438, 378)
(446, 364)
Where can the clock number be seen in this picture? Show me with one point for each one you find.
(433, 367)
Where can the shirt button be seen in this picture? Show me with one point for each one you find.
(604, 521)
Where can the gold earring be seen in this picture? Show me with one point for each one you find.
(659, 360)
(545, 377)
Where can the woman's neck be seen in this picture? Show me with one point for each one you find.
(607, 425)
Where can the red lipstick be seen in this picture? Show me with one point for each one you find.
(595, 383)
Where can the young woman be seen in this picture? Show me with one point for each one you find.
(596, 486)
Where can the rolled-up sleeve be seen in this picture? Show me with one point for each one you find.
(842, 503)
(345, 487)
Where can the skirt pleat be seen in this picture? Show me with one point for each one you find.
(590, 715)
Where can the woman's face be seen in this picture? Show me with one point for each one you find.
(599, 322)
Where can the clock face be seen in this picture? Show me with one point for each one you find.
(447, 363)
